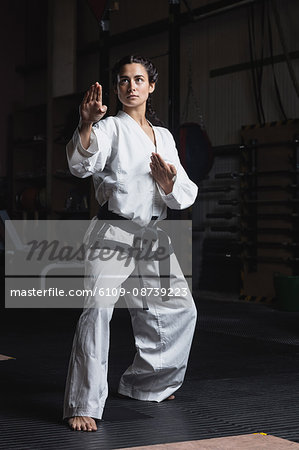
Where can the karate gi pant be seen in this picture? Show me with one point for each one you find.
(163, 334)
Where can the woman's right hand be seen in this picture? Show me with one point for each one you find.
(91, 109)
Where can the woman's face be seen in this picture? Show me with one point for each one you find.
(133, 86)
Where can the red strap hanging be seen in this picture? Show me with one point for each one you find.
(98, 7)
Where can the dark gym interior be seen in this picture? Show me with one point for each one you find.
(228, 91)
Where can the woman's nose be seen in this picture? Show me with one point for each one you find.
(132, 86)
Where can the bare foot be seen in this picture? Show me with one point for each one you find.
(82, 423)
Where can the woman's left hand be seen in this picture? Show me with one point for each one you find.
(162, 172)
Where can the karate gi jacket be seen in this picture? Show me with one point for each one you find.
(118, 159)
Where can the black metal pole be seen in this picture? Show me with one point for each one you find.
(174, 68)
(104, 57)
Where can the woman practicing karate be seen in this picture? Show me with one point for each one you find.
(137, 175)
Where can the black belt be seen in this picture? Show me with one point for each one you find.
(105, 214)
(145, 236)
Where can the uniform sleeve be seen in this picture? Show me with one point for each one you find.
(84, 162)
(184, 191)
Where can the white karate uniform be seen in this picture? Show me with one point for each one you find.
(118, 158)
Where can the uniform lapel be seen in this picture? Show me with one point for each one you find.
(142, 133)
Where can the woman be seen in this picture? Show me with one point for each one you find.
(137, 174)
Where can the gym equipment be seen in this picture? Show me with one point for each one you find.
(289, 202)
(261, 230)
(234, 175)
(287, 187)
(196, 151)
(32, 199)
(233, 258)
(230, 215)
(239, 148)
(212, 189)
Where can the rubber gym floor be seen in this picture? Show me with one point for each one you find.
(242, 378)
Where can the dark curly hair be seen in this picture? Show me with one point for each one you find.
(152, 73)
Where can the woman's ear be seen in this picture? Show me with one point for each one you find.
(152, 87)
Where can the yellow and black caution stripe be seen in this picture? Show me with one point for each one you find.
(256, 299)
